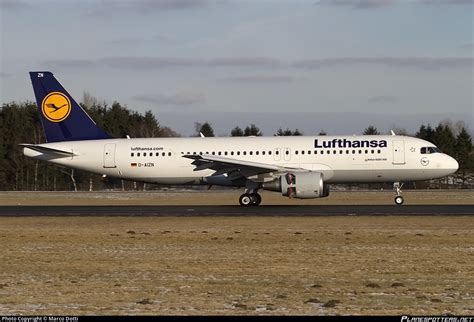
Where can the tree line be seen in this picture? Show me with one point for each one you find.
(20, 123)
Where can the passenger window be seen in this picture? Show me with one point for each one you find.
(263, 152)
(256, 152)
(269, 152)
(340, 151)
(296, 152)
(378, 151)
(372, 151)
(245, 152)
(322, 152)
(225, 153)
(238, 152)
(163, 154)
(251, 152)
(353, 151)
(347, 151)
(133, 154)
(231, 152)
(334, 152)
(315, 152)
(169, 154)
(366, 151)
(219, 153)
(138, 154)
(277, 152)
(213, 153)
(287, 152)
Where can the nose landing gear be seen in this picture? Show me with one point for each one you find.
(398, 187)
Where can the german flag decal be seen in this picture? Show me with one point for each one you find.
(133, 165)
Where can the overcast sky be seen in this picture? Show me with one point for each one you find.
(336, 65)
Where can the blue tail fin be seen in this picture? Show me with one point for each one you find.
(63, 119)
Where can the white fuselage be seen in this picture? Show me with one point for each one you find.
(339, 158)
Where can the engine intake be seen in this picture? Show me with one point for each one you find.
(301, 185)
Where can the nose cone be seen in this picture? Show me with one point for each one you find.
(451, 164)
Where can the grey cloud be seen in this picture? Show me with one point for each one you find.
(368, 4)
(151, 63)
(176, 99)
(407, 62)
(244, 61)
(13, 4)
(447, 2)
(144, 6)
(148, 62)
(165, 62)
(384, 99)
(260, 79)
(69, 63)
(133, 41)
(358, 4)
(467, 46)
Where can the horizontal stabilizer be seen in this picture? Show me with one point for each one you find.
(47, 150)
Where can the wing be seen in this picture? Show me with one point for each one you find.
(237, 169)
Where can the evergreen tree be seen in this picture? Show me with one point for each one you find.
(444, 138)
(464, 154)
(425, 133)
(236, 131)
(252, 130)
(371, 130)
(204, 128)
(287, 132)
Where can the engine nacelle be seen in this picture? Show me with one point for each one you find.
(301, 185)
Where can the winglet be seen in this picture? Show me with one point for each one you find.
(62, 118)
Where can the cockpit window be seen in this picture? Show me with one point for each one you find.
(429, 150)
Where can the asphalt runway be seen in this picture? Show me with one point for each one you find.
(157, 211)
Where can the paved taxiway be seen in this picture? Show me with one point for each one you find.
(327, 210)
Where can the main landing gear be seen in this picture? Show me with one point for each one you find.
(398, 187)
(250, 198)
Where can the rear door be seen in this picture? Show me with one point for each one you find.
(109, 155)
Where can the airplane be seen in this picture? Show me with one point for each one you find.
(299, 167)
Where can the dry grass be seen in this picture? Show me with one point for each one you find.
(237, 265)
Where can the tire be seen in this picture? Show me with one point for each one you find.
(399, 200)
(257, 199)
(245, 200)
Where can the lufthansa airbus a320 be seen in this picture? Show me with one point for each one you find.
(298, 167)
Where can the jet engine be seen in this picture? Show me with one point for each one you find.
(301, 185)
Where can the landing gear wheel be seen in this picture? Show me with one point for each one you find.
(245, 200)
(256, 199)
(399, 200)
